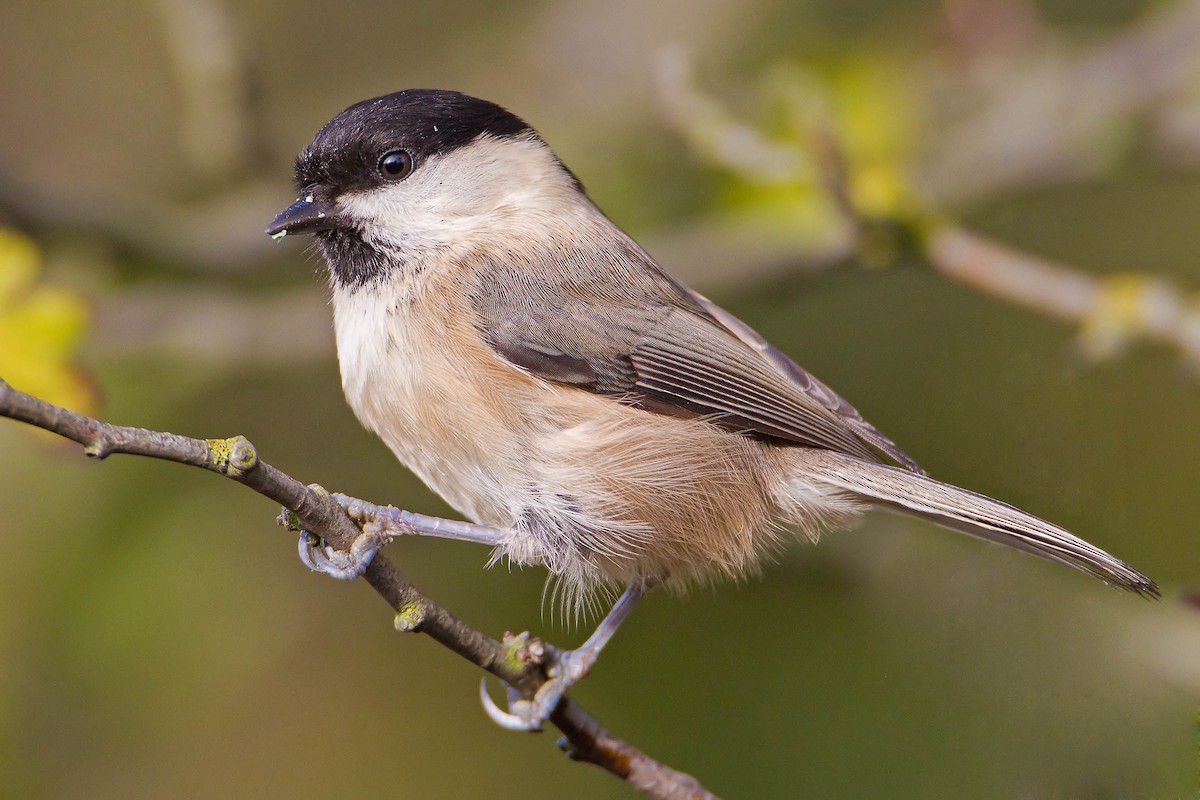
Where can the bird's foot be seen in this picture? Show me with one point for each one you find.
(379, 525)
(564, 668)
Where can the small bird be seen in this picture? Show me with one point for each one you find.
(587, 411)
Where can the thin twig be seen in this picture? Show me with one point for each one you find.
(1111, 310)
(236, 458)
(586, 741)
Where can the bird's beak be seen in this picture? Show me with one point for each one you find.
(309, 213)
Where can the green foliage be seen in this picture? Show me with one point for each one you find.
(822, 149)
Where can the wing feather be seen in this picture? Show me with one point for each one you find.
(614, 323)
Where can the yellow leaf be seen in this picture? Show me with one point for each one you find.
(18, 264)
(40, 328)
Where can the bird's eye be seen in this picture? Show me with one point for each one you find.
(395, 165)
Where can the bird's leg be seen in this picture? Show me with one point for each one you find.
(379, 525)
(565, 668)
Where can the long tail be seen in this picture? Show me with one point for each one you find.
(972, 513)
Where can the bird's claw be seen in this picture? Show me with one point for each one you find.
(377, 526)
(340, 564)
(524, 714)
(519, 717)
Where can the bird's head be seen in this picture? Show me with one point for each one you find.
(415, 172)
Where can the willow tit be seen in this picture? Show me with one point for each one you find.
(586, 410)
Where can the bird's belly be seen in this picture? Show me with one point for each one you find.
(650, 494)
(458, 450)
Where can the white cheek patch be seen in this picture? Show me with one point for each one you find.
(448, 197)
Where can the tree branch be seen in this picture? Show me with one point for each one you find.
(236, 458)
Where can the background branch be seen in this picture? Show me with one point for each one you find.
(1110, 309)
(236, 458)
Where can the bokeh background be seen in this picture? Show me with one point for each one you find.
(837, 172)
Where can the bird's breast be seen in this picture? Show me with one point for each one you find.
(416, 374)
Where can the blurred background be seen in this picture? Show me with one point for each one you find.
(976, 219)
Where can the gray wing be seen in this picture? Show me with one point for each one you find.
(616, 324)
(808, 384)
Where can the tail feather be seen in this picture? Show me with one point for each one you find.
(974, 514)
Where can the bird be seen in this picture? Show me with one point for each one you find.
(583, 409)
